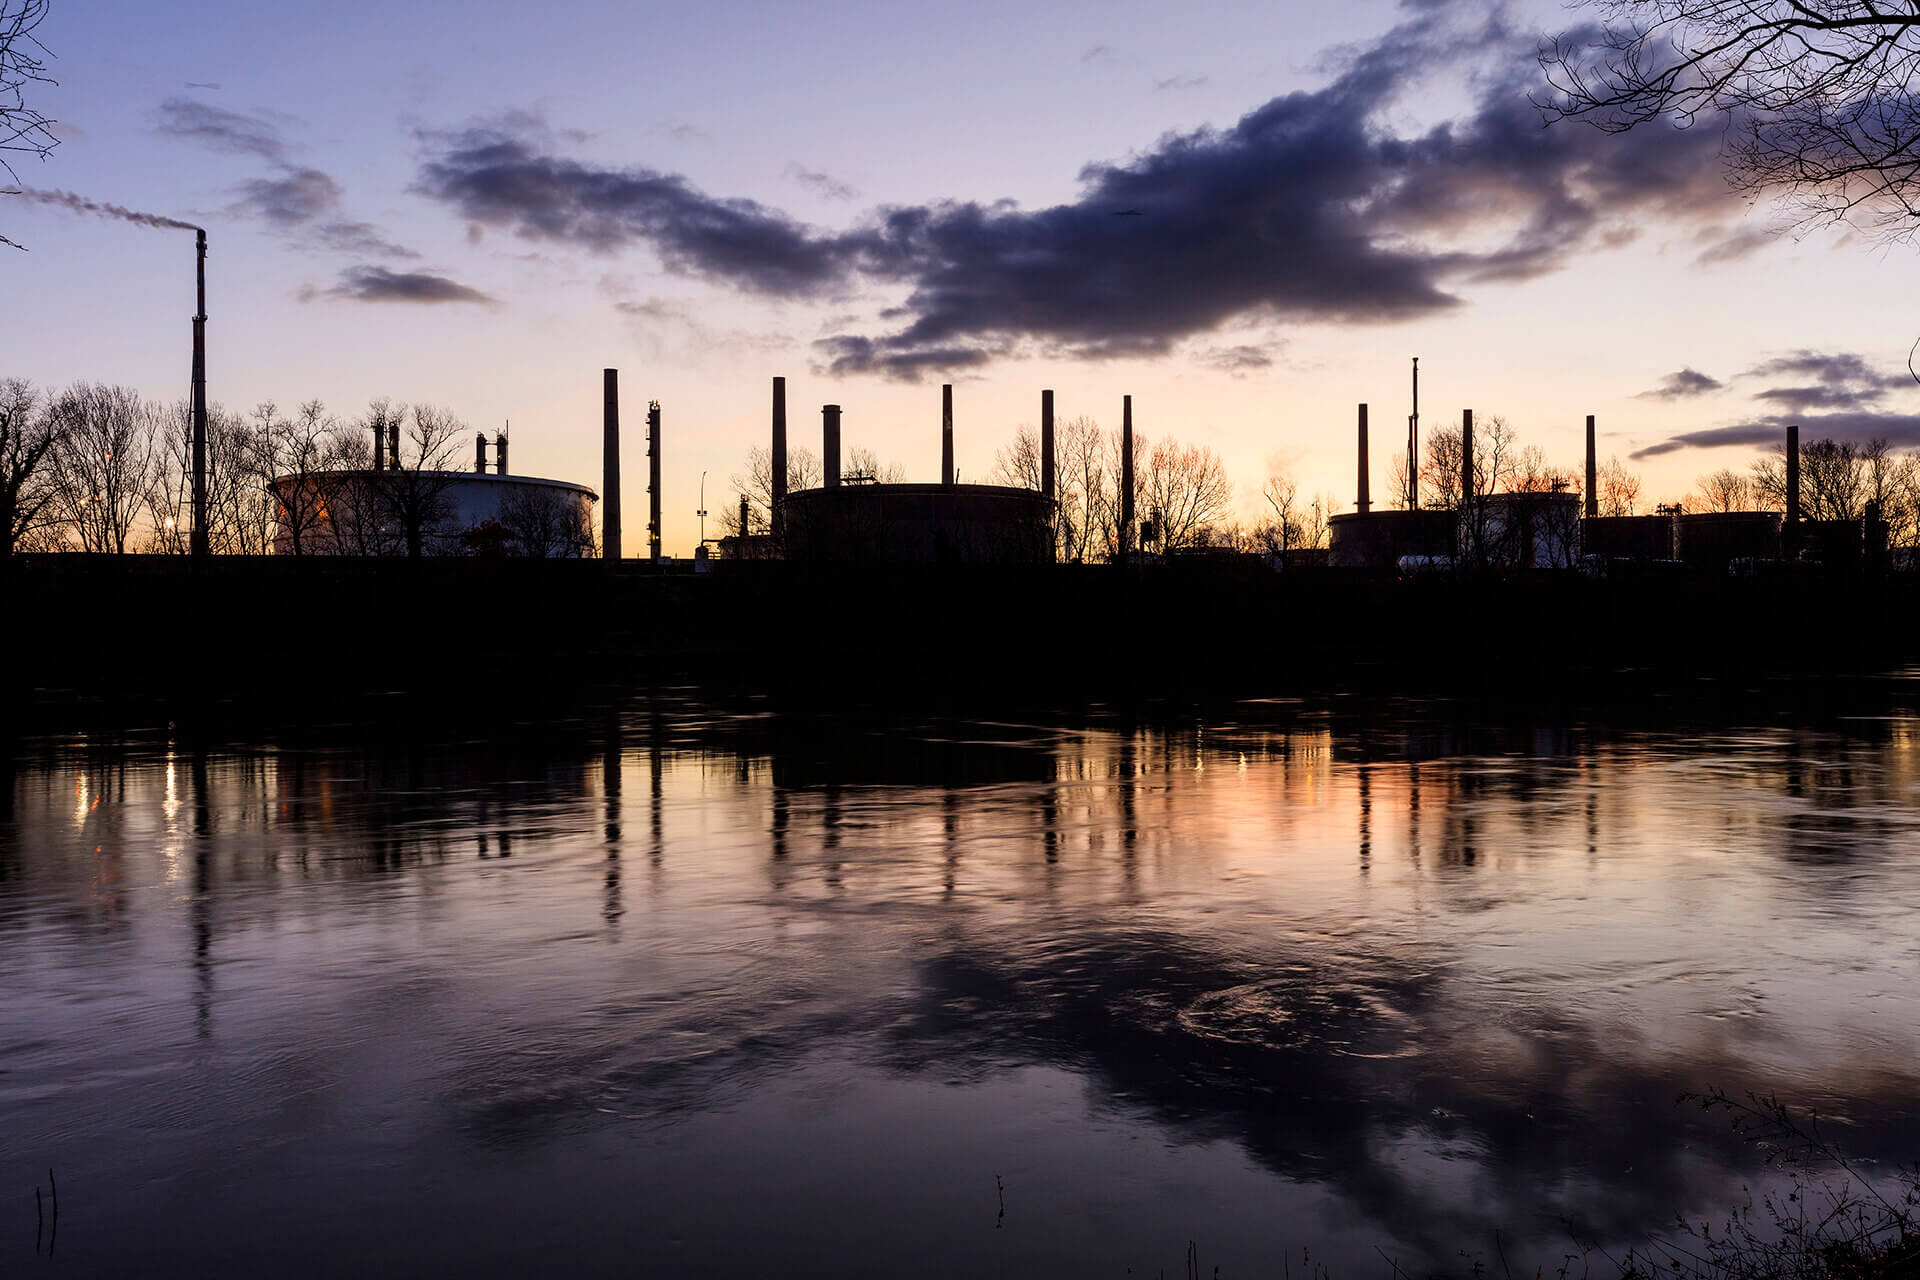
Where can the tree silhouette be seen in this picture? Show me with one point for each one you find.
(27, 441)
(1818, 94)
(23, 130)
(101, 463)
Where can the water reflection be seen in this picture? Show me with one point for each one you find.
(1355, 983)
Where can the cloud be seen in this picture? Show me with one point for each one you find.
(1237, 361)
(1097, 53)
(299, 201)
(1725, 246)
(377, 284)
(1898, 429)
(1841, 380)
(1173, 84)
(821, 184)
(219, 129)
(1681, 385)
(1309, 208)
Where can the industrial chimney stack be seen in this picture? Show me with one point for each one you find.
(1366, 499)
(500, 453)
(1593, 474)
(946, 434)
(199, 544)
(1126, 476)
(610, 466)
(1793, 475)
(777, 482)
(653, 480)
(1046, 445)
(480, 453)
(1413, 443)
(830, 443)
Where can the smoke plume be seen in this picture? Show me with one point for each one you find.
(80, 204)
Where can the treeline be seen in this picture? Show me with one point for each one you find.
(97, 468)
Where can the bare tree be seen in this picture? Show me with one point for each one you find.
(1018, 465)
(545, 524)
(1722, 490)
(419, 494)
(865, 464)
(239, 506)
(27, 441)
(1619, 489)
(23, 62)
(803, 472)
(1833, 480)
(1819, 93)
(298, 458)
(101, 463)
(1279, 532)
(1084, 490)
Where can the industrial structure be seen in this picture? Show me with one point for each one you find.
(389, 509)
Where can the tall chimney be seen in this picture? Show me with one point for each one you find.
(830, 443)
(1413, 443)
(480, 453)
(1046, 445)
(1126, 476)
(777, 482)
(1793, 474)
(1593, 474)
(610, 465)
(1366, 500)
(1466, 456)
(199, 543)
(379, 445)
(500, 453)
(946, 434)
(653, 480)
(746, 512)
(393, 444)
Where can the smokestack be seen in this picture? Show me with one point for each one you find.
(1366, 501)
(1793, 474)
(1593, 474)
(480, 453)
(778, 480)
(500, 453)
(1466, 456)
(1126, 476)
(1413, 443)
(199, 544)
(745, 511)
(610, 466)
(1046, 445)
(379, 445)
(393, 444)
(653, 480)
(830, 443)
(946, 434)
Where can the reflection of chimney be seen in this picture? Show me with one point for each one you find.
(946, 434)
(1593, 474)
(1046, 444)
(379, 445)
(830, 443)
(610, 466)
(778, 480)
(500, 453)
(1126, 476)
(1366, 502)
(480, 453)
(1793, 474)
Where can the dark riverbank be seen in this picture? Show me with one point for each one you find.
(297, 639)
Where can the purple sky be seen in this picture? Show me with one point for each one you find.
(442, 202)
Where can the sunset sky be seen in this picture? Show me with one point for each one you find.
(482, 205)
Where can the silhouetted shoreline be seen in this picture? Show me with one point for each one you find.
(295, 640)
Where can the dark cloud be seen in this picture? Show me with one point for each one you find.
(1679, 386)
(1841, 380)
(218, 129)
(1901, 430)
(821, 183)
(1173, 84)
(296, 200)
(377, 284)
(1725, 246)
(1309, 208)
